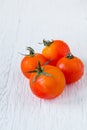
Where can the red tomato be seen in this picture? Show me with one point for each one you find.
(30, 61)
(47, 83)
(55, 50)
(72, 67)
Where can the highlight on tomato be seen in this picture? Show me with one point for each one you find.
(72, 67)
(55, 50)
(47, 81)
(30, 61)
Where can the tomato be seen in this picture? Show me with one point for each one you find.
(55, 50)
(47, 82)
(30, 61)
(72, 67)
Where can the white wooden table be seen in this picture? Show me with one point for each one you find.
(25, 23)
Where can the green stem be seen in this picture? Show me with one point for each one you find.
(38, 71)
(70, 56)
(47, 43)
(31, 51)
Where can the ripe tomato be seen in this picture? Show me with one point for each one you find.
(30, 61)
(72, 67)
(55, 50)
(47, 83)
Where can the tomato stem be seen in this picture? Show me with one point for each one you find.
(39, 70)
(70, 56)
(47, 43)
(31, 51)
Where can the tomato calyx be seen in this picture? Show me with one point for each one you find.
(31, 51)
(47, 42)
(39, 71)
(70, 56)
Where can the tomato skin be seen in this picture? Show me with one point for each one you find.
(30, 62)
(73, 69)
(48, 87)
(55, 51)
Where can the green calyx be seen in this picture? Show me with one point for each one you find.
(70, 56)
(39, 70)
(47, 43)
(31, 51)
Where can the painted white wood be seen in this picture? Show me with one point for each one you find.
(25, 23)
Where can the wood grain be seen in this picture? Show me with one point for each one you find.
(25, 23)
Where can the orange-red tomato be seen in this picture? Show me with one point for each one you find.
(30, 61)
(55, 50)
(47, 83)
(72, 67)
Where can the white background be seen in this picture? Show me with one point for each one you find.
(25, 23)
